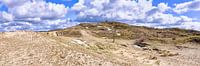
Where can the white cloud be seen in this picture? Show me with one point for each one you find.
(126, 10)
(79, 6)
(36, 15)
(112, 9)
(13, 3)
(40, 10)
(6, 16)
(190, 25)
(43, 25)
(138, 12)
(35, 10)
(39, 15)
(187, 6)
(186, 19)
(163, 18)
(163, 7)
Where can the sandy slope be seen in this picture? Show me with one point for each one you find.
(48, 49)
(33, 49)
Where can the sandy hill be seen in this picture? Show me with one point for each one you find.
(91, 44)
(128, 32)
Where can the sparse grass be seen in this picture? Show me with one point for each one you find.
(194, 39)
(115, 25)
(69, 33)
(102, 48)
(128, 32)
(165, 53)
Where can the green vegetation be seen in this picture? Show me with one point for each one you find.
(129, 32)
(69, 33)
(194, 39)
(101, 47)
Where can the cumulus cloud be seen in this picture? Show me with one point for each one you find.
(40, 10)
(112, 9)
(6, 17)
(187, 6)
(40, 15)
(191, 25)
(34, 9)
(167, 19)
(137, 12)
(13, 3)
(32, 15)
(44, 25)
(163, 7)
(126, 10)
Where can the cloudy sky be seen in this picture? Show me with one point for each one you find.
(43, 15)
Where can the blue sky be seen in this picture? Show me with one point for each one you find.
(170, 2)
(70, 3)
(43, 15)
(67, 3)
(3, 8)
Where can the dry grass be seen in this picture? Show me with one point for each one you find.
(70, 32)
(194, 39)
(128, 32)
(103, 48)
(169, 36)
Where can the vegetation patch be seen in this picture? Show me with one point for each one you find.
(69, 33)
(117, 30)
(102, 48)
(194, 39)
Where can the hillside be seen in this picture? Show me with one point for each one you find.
(91, 44)
(128, 32)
